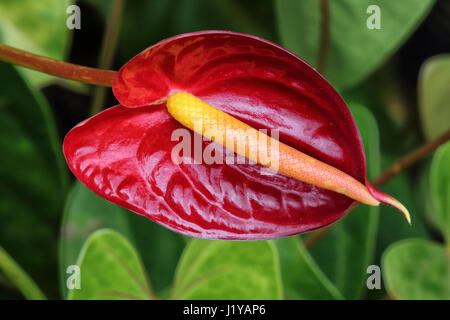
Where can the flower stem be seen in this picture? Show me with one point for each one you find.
(19, 277)
(57, 68)
(410, 159)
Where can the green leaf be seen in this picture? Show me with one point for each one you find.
(110, 268)
(392, 225)
(302, 278)
(228, 270)
(348, 249)
(434, 95)
(32, 179)
(354, 50)
(86, 212)
(38, 27)
(417, 269)
(422, 193)
(171, 17)
(160, 249)
(440, 188)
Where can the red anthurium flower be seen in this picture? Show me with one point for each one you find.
(125, 153)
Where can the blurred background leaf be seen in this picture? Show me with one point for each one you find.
(228, 270)
(172, 17)
(440, 189)
(423, 198)
(394, 227)
(110, 268)
(302, 278)
(86, 212)
(417, 269)
(434, 95)
(21, 26)
(354, 50)
(348, 249)
(32, 179)
(19, 278)
(160, 250)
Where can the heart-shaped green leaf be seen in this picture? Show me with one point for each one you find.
(228, 270)
(417, 269)
(302, 278)
(110, 268)
(440, 188)
(354, 50)
(85, 212)
(35, 26)
(32, 179)
(351, 243)
(434, 95)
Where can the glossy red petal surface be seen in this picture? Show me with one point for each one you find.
(124, 156)
(123, 153)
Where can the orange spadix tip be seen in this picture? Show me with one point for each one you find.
(221, 127)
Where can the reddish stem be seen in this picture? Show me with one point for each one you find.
(410, 159)
(57, 68)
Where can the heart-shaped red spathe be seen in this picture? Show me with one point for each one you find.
(124, 153)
